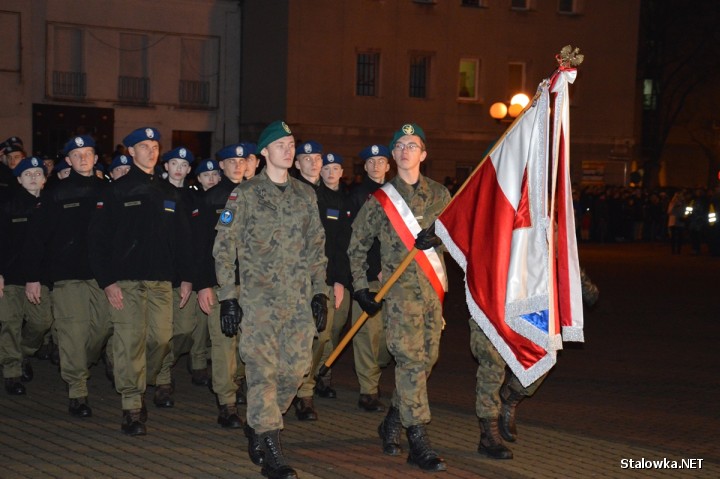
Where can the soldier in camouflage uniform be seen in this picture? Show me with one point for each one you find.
(271, 225)
(413, 311)
(498, 391)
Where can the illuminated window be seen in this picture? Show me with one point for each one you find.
(468, 76)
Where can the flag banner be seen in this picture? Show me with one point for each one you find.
(501, 229)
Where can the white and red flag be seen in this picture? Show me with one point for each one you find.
(519, 254)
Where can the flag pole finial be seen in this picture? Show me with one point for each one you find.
(569, 57)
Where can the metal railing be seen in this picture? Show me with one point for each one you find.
(69, 84)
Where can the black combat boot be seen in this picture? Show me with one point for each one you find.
(228, 416)
(14, 387)
(509, 399)
(27, 371)
(254, 450)
(241, 393)
(491, 444)
(274, 464)
(370, 403)
(131, 423)
(421, 452)
(390, 430)
(163, 396)
(79, 407)
(305, 409)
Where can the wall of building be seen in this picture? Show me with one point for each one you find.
(165, 25)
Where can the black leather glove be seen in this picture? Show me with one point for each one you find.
(427, 239)
(366, 300)
(319, 308)
(230, 317)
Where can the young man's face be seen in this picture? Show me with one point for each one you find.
(208, 179)
(331, 175)
(119, 171)
(234, 168)
(177, 169)
(309, 164)
(408, 152)
(377, 167)
(32, 179)
(252, 164)
(82, 160)
(145, 154)
(13, 158)
(279, 153)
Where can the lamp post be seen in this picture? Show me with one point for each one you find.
(504, 113)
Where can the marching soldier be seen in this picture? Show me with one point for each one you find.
(136, 251)
(119, 167)
(58, 244)
(333, 204)
(308, 161)
(18, 341)
(369, 345)
(267, 223)
(397, 214)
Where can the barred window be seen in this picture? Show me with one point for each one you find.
(419, 76)
(367, 70)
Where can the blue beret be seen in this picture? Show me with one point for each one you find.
(120, 160)
(308, 147)
(82, 141)
(408, 129)
(375, 150)
(141, 134)
(236, 150)
(13, 140)
(28, 163)
(207, 165)
(60, 165)
(180, 153)
(332, 159)
(274, 131)
(250, 148)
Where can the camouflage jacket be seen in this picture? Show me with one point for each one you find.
(426, 201)
(279, 240)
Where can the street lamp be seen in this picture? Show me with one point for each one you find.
(503, 113)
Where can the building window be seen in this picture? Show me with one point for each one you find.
(649, 95)
(134, 81)
(468, 79)
(520, 4)
(367, 72)
(68, 77)
(474, 3)
(516, 78)
(419, 75)
(198, 72)
(10, 41)
(568, 7)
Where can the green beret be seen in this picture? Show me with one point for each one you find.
(274, 131)
(407, 129)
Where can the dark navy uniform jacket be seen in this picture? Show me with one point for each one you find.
(15, 215)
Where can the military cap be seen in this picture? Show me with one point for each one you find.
(207, 165)
(13, 140)
(407, 129)
(61, 165)
(374, 150)
(332, 159)
(82, 141)
(308, 147)
(274, 131)
(10, 148)
(28, 163)
(120, 160)
(179, 153)
(141, 134)
(236, 150)
(250, 148)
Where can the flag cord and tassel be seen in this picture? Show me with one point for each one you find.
(567, 58)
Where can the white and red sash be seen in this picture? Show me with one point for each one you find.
(406, 226)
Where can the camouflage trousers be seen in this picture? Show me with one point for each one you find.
(491, 374)
(413, 327)
(82, 324)
(18, 340)
(275, 345)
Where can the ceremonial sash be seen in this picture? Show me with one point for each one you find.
(406, 226)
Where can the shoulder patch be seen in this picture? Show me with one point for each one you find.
(226, 217)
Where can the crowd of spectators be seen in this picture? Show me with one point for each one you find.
(608, 214)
